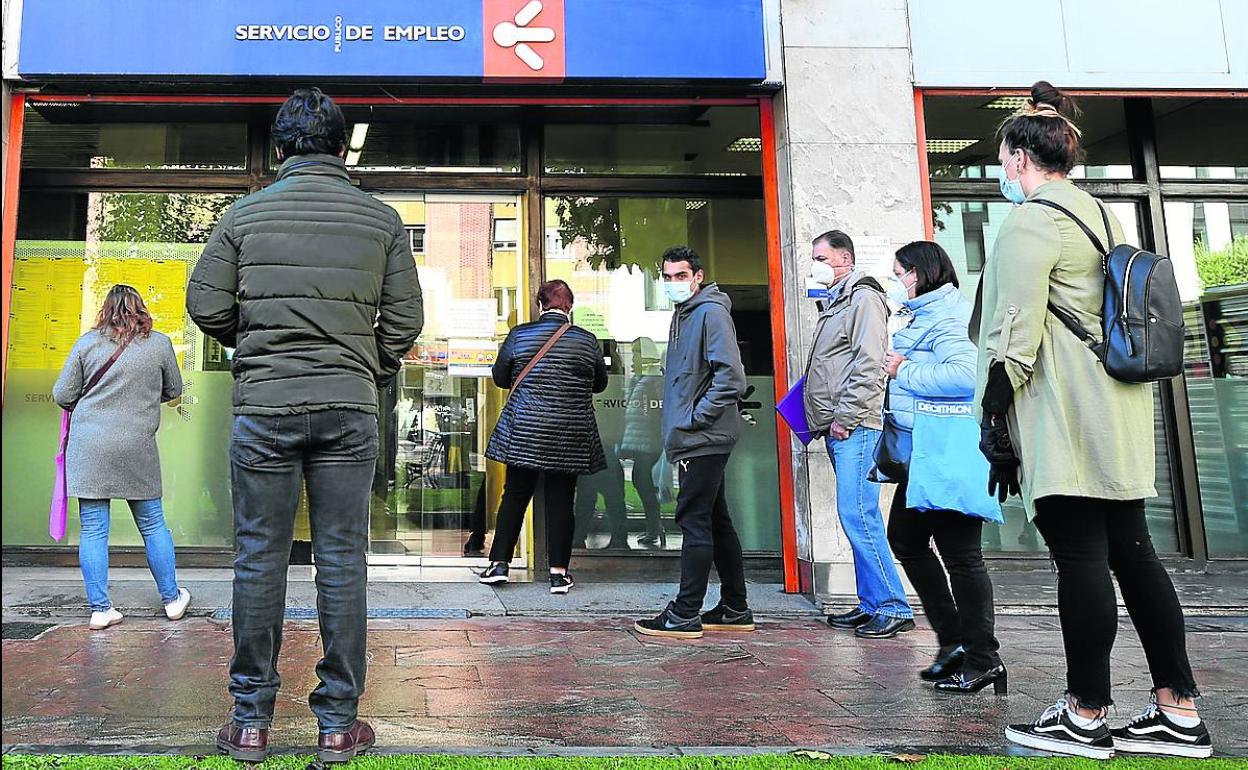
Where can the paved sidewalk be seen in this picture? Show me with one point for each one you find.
(558, 684)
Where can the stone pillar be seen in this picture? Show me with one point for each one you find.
(847, 160)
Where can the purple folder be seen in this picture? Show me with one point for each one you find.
(792, 409)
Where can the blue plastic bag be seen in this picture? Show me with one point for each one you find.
(947, 471)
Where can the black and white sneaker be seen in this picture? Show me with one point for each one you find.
(672, 626)
(494, 574)
(724, 618)
(1153, 732)
(1054, 731)
(561, 583)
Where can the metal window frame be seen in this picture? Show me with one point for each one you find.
(1149, 192)
(532, 183)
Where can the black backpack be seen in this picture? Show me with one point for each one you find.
(1142, 316)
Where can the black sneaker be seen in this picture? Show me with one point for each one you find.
(561, 584)
(494, 574)
(1153, 732)
(1054, 731)
(724, 618)
(669, 625)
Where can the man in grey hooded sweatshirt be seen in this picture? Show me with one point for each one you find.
(703, 381)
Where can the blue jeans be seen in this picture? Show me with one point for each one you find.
(858, 505)
(149, 516)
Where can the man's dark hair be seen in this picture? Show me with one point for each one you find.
(931, 265)
(683, 254)
(309, 122)
(837, 240)
(555, 295)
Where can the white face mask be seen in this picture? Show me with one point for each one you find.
(898, 291)
(678, 291)
(824, 273)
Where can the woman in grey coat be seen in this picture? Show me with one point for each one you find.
(112, 443)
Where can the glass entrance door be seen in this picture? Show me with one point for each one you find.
(434, 489)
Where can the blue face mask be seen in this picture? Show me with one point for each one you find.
(1012, 189)
(678, 291)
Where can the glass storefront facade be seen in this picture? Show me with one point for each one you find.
(494, 201)
(1175, 173)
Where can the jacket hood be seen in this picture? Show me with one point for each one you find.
(845, 289)
(709, 293)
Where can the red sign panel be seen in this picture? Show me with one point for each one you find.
(524, 39)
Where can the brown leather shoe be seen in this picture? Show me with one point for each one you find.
(246, 744)
(342, 747)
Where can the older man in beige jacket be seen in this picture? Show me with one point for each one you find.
(844, 400)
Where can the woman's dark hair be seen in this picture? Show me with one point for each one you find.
(931, 265)
(555, 295)
(1045, 129)
(123, 314)
(309, 122)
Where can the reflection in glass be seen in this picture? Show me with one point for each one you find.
(968, 230)
(961, 135)
(1202, 138)
(60, 136)
(1209, 246)
(649, 140)
(71, 248)
(608, 249)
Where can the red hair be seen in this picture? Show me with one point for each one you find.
(123, 314)
(555, 295)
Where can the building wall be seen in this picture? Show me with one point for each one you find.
(848, 159)
(1081, 43)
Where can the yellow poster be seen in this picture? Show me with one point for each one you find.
(161, 282)
(45, 311)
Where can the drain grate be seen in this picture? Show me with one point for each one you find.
(380, 613)
(24, 631)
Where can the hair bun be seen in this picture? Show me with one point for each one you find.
(1044, 92)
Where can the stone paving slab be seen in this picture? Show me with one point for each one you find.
(557, 685)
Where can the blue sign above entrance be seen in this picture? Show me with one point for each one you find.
(506, 39)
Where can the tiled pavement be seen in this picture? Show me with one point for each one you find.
(557, 683)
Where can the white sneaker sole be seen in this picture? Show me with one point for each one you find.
(109, 624)
(1055, 746)
(561, 589)
(491, 581)
(1168, 749)
(180, 613)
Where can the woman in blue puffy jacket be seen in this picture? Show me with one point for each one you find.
(933, 357)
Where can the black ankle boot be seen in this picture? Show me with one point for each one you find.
(968, 683)
(947, 663)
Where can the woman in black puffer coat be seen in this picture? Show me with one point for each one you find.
(547, 431)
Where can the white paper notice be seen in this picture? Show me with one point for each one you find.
(874, 256)
(472, 317)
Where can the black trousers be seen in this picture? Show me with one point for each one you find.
(643, 482)
(608, 482)
(964, 615)
(1088, 539)
(518, 489)
(334, 452)
(709, 537)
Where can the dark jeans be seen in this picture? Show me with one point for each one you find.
(643, 482)
(608, 482)
(1088, 538)
(272, 457)
(964, 616)
(709, 537)
(518, 490)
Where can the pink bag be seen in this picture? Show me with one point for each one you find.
(59, 513)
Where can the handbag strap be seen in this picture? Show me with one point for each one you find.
(103, 370)
(541, 353)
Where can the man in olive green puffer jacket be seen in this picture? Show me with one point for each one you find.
(314, 285)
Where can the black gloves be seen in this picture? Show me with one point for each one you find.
(996, 446)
